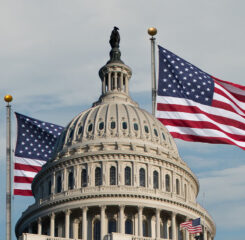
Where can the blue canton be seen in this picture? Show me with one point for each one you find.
(36, 139)
(179, 78)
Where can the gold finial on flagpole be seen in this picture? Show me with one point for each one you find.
(8, 98)
(152, 31)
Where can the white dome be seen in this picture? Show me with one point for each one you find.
(116, 122)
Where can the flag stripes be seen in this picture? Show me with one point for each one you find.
(196, 106)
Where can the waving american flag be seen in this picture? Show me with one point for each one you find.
(196, 106)
(34, 147)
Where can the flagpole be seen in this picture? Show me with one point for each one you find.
(8, 99)
(152, 32)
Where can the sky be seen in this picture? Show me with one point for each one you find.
(51, 52)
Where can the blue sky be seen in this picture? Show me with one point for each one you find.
(51, 51)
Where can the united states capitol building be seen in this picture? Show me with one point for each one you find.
(116, 175)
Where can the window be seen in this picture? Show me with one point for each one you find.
(71, 134)
(112, 226)
(96, 230)
(49, 187)
(80, 130)
(58, 184)
(128, 226)
(167, 182)
(155, 180)
(127, 176)
(146, 129)
(142, 177)
(136, 128)
(90, 127)
(98, 177)
(124, 125)
(177, 187)
(70, 181)
(145, 228)
(155, 132)
(84, 178)
(113, 125)
(101, 126)
(112, 176)
(163, 136)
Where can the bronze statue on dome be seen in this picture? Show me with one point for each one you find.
(115, 38)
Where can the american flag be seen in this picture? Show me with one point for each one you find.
(34, 147)
(193, 226)
(196, 106)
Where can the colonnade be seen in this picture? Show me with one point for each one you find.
(173, 230)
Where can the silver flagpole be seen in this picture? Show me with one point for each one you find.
(8, 99)
(152, 32)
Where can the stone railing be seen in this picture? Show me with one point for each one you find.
(29, 236)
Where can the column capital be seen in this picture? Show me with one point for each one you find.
(52, 215)
(103, 207)
(84, 209)
(158, 210)
(121, 206)
(140, 208)
(67, 211)
(39, 220)
(173, 214)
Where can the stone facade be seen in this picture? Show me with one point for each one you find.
(116, 175)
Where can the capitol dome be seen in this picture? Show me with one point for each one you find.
(116, 174)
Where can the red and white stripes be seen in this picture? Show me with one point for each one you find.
(222, 122)
(24, 172)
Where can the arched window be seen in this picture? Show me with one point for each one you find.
(128, 226)
(142, 177)
(98, 177)
(84, 178)
(155, 180)
(127, 176)
(112, 226)
(70, 181)
(58, 184)
(112, 175)
(96, 230)
(177, 186)
(49, 187)
(145, 228)
(167, 182)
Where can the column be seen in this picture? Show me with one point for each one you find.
(109, 82)
(186, 231)
(121, 81)
(126, 84)
(121, 220)
(157, 223)
(65, 182)
(75, 228)
(115, 80)
(39, 226)
(205, 233)
(140, 223)
(173, 226)
(103, 84)
(67, 223)
(53, 184)
(85, 209)
(52, 217)
(102, 221)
